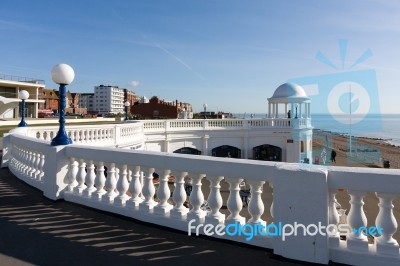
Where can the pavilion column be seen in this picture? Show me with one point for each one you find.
(286, 110)
(269, 110)
(276, 110)
(300, 110)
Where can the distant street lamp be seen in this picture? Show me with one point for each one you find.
(205, 110)
(127, 104)
(23, 95)
(63, 75)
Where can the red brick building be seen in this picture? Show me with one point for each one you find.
(50, 98)
(159, 109)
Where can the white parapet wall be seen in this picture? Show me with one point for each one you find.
(121, 181)
(202, 135)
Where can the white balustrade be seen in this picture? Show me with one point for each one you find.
(333, 217)
(196, 199)
(135, 186)
(80, 177)
(235, 204)
(148, 191)
(386, 222)
(89, 180)
(163, 194)
(29, 158)
(122, 186)
(179, 196)
(37, 173)
(72, 172)
(357, 220)
(256, 206)
(111, 183)
(100, 180)
(215, 201)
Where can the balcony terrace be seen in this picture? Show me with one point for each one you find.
(286, 193)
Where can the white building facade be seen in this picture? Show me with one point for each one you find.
(108, 99)
(10, 86)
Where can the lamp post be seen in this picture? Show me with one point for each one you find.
(63, 75)
(23, 95)
(127, 104)
(205, 110)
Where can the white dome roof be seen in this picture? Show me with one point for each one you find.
(289, 90)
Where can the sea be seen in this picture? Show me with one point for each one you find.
(380, 126)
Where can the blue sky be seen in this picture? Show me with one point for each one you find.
(228, 54)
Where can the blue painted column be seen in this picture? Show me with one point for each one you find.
(62, 137)
(22, 123)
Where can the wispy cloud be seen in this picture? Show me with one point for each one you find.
(183, 63)
(13, 26)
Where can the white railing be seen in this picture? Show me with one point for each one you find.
(301, 194)
(212, 124)
(118, 135)
(133, 133)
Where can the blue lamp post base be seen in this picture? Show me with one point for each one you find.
(61, 139)
(22, 124)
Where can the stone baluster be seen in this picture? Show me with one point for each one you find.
(111, 183)
(89, 180)
(32, 164)
(80, 177)
(71, 175)
(135, 187)
(19, 157)
(122, 186)
(235, 204)
(42, 160)
(28, 155)
(27, 167)
(333, 218)
(197, 199)
(78, 136)
(13, 154)
(72, 136)
(256, 205)
(148, 192)
(100, 180)
(179, 197)
(25, 161)
(386, 244)
(96, 135)
(356, 220)
(163, 193)
(36, 173)
(271, 210)
(215, 201)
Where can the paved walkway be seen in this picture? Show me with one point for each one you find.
(38, 231)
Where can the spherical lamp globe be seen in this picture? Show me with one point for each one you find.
(23, 95)
(62, 74)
